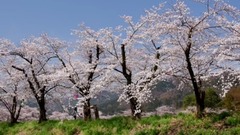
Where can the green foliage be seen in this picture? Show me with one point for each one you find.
(156, 120)
(212, 99)
(189, 100)
(3, 128)
(233, 120)
(233, 131)
(181, 124)
(148, 132)
(219, 117)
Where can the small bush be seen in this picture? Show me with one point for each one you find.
(221, 116)
(189, 100)
(232, 121)
(212, 99)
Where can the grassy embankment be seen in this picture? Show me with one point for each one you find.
(181, 124)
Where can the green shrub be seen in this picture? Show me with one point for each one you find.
(232, 121)
(189, 100)
(212, 99)
(232, 131)
(219, 117)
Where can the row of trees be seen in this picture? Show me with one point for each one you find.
(130, 59)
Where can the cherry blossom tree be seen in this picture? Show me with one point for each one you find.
(130, 59)
(135, 59)
(192, 43)
(4, 114)
(229, 58)
(83, 67)
(12, 90)
(36, 57)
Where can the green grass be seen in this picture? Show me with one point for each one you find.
(181, 124)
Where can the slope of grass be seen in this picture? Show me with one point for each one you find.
(181, 124)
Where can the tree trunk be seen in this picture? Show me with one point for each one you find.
(87, 110)
(199, 95)
(96, 112)
(200, 103)
(13, 110)
(42, 110)
(15, 113)
(136, 113)
(13, 119)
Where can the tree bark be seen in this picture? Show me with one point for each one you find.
(13, 119)
(42, 109)
(200, 95)
(200, 103)
(87, 105)
(96, 112)
(87, 110)
(15, 112)
(128, 76)
(134, 110)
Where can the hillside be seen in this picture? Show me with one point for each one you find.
(164, 93)
(181, 124)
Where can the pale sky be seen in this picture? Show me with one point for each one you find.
(23, 18)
